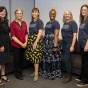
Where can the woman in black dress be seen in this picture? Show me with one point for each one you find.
(4, 42)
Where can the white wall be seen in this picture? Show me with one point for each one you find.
(25, 5)
(60, 6)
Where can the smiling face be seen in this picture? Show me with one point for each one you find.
(52, 15)
(3, 13)
(35, 14)
(67, 16)
(19, 14)
(84, 11)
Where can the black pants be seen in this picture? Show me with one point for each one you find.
(18, 60)
(84, 70)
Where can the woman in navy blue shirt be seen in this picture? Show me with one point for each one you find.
(35, 42)
(83, 40)
(69, 37)
(51, 56)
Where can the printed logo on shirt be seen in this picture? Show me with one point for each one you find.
(32, 25)
(66, 27)
(48, 26)
(82, 25)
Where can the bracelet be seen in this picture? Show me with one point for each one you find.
(56, 47)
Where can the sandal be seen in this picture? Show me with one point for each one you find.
(1, 83)
(3, 77)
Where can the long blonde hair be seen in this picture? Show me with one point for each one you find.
(64, 20)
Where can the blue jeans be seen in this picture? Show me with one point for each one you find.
(67, 53)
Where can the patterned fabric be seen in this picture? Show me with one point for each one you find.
(50, 68)
(34, 55)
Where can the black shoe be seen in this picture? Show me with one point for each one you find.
(19, 77)
(81, 84)
(67, 79)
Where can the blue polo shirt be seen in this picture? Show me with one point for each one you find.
(67, 31)
(34, 27)
(83, 34)
(51, 26)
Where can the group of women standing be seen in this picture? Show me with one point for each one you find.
(45, 48)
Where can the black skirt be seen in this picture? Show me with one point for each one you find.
(35, 56)
(4, 58)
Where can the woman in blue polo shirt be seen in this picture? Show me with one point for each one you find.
(83, 40)
(51, 56)
(69, 37)
(35, 42)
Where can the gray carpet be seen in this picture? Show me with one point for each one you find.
(41, 83)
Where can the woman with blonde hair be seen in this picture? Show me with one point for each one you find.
(69, 37)
(19, 41)
(35, 42)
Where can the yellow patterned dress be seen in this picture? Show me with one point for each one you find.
(34, 55)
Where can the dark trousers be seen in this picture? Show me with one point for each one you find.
(18, 60)
(67, 53)
(84, 70)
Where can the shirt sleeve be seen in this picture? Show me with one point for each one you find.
(1, 30)
(40, 25)
(86, 30)
(74, 27)
(57, 25)
(26, 31)
(1, 44)
(12, 30)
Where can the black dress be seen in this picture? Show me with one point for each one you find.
(4, 41)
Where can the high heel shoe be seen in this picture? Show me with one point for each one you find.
(3, 77)
(1, 83)
(35, 78)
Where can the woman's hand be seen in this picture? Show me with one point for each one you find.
(86, 48)
(24, 45)
(54, 49)
(2, 49)
(34, 45)
(71, 48)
